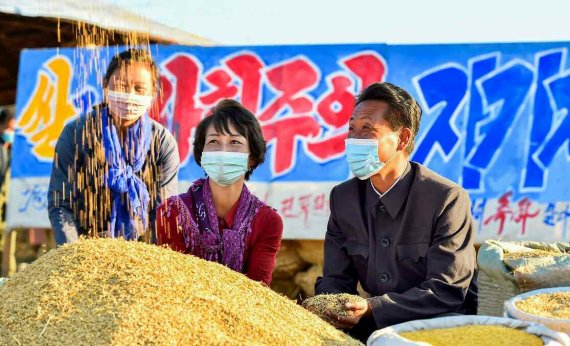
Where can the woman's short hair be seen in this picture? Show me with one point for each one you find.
(228, 112)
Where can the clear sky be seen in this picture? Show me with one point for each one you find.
(255, 22)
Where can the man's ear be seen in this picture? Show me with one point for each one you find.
(405, 138)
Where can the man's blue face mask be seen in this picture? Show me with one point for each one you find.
(362, 157)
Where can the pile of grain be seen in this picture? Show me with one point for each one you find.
(532, 254)
(553, 305)
(336, 303)
(476, 335)
(104, 291)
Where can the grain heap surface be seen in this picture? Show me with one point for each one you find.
(532, 254)
(553, 305)
(106, 291)
(336, 303)
(474, 336)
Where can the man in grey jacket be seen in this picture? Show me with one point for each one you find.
(399, 229)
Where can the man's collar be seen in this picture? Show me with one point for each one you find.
(394, 200)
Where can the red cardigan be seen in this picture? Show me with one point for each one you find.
(262, 243)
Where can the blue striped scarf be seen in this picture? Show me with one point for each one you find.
(121, 178)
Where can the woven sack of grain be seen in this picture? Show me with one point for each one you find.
(288, 262)
(549, 306)
(306, 280)
(510, 268)
(468, 331)
(286, 287)
(311, 251)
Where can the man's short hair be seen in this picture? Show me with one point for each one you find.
(403, 110)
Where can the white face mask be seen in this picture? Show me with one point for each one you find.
(128, 106)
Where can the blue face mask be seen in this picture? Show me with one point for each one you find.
(8, 136)
(362, 157)
(224, 167)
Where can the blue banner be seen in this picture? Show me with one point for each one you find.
(495, 118)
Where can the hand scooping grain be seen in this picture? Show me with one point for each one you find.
(322, 304)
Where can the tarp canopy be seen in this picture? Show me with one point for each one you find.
(52, 23)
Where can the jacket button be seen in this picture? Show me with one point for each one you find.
(384, 278)
(385, 242)
(381, 208)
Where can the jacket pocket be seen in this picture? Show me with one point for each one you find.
(412, 251)
(355, 248)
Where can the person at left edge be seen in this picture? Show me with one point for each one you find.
(115, 165)
(7, 126)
